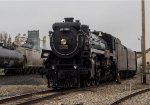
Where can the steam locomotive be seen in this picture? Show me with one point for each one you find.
(80, 57)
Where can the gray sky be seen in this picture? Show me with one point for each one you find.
(121, 18)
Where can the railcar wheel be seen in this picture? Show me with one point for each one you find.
(97, 82)
(93, 83)
(88, 83)
(82, 83)
(97, 78)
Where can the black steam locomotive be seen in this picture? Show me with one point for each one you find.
(80, 57)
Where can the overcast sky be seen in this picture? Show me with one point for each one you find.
(121, 18)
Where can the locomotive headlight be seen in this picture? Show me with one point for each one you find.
(53, 67)
(63, 41)
(75, 66)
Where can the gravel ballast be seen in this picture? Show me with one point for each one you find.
(104, 94)
(15, 85)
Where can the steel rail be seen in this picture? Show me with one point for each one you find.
(36, 100)
(28, 98)
(130, 96)
(56, 94)
(26, 95)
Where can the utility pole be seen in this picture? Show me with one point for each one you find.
(143, 42)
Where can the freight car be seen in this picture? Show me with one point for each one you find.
(32, 60)
(24, 59)
(32, 53)
(80, 57)
(11, 61)
(20, 61)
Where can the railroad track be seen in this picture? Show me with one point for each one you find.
(23, 98)
(130, 96)
(31, 98)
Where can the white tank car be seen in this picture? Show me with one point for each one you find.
(32, 53)
(32, 60)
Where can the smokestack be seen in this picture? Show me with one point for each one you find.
(69, 19)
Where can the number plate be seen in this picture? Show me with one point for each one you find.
(63, 46)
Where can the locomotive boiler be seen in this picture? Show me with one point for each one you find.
(80, 57)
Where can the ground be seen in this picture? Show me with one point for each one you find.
(12, 85)
(99, 95)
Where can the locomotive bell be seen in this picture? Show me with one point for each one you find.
(63, 41)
